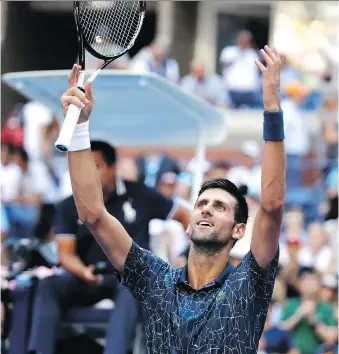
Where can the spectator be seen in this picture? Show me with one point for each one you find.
(249, 172)
(240, 73)
(157, 61)
(38, 121)
(305, 316)
(134, 205)
(35, 188)
(316, 253)
(218, 169)
(168, 237)
(297, 140)
(206, 86)
(10, 174)
(151, 166)
(288, 75)
(276, 340)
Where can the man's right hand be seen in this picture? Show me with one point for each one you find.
(75, 96)
(90, 278)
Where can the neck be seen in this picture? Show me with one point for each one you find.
(109, 189)
(204, 268)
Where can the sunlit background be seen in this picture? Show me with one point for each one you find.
(205, 49)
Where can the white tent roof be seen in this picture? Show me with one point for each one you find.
(131, 109)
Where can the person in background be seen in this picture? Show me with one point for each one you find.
(134, 204)
(306, 316)
(289, 74)
(316, 252)
(152, 165)
(35, 188)
(158, 61)
(218, 169)
(168, 237)
(297, 135)
(204, 85)
(241, 76)
(249, 172)
(276, 340)
(38, 122)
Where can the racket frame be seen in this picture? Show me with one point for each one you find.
(67, 130)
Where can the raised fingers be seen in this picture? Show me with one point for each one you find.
(73, 76)
(74, 96)
(67, 100)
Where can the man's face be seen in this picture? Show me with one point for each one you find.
(167, 189)
(309, 285)
(106, 172)
(212, 222)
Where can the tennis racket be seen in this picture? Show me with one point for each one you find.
(107, 30)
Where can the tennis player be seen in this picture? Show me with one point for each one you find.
(208, 306)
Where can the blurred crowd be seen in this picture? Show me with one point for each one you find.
(303, 315)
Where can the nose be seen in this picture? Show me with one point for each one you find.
(206, 209)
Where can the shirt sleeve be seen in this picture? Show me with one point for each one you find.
(145, 274)
(160, 207)
(260, 282)
(65, 220)
(289, 309)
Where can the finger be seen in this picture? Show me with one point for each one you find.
(88, 91)
(74, 91)
(260, 66)
(73, 76)
(271, 53)
(275, 51)
(267, 58)
(67, 100)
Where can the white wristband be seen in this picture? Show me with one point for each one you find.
(80, 139)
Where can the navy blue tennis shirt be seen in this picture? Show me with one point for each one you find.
(225, 316)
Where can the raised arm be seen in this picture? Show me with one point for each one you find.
(87, 192)
(267, 224)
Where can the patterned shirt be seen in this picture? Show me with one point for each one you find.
(225, 316)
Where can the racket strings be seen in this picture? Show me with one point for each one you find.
(110, 27)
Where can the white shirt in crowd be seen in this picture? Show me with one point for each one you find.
(35, 117)
(175, 230)
(320, 261)
(171, 70)
(37, 181)
(297, 141)
(251, 177)
(10, 182)
(239, 69)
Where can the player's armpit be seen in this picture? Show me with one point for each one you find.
(112, 238)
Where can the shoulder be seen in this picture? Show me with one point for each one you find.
(249, 268)
(135, 187)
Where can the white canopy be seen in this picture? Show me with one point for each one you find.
(133, 109)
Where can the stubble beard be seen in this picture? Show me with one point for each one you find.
(210, 244)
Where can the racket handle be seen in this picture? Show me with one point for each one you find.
(63, 142)
(65, 137)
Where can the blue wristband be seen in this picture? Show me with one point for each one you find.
(274, 126)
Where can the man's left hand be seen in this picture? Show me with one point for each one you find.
(271, 78)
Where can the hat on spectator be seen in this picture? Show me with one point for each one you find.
(296, 89)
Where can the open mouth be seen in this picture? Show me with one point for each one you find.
(205, 224)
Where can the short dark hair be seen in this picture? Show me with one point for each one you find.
(241, 209)
(108, 151)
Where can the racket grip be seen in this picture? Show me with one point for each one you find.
(63, 142)
(65, 136)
